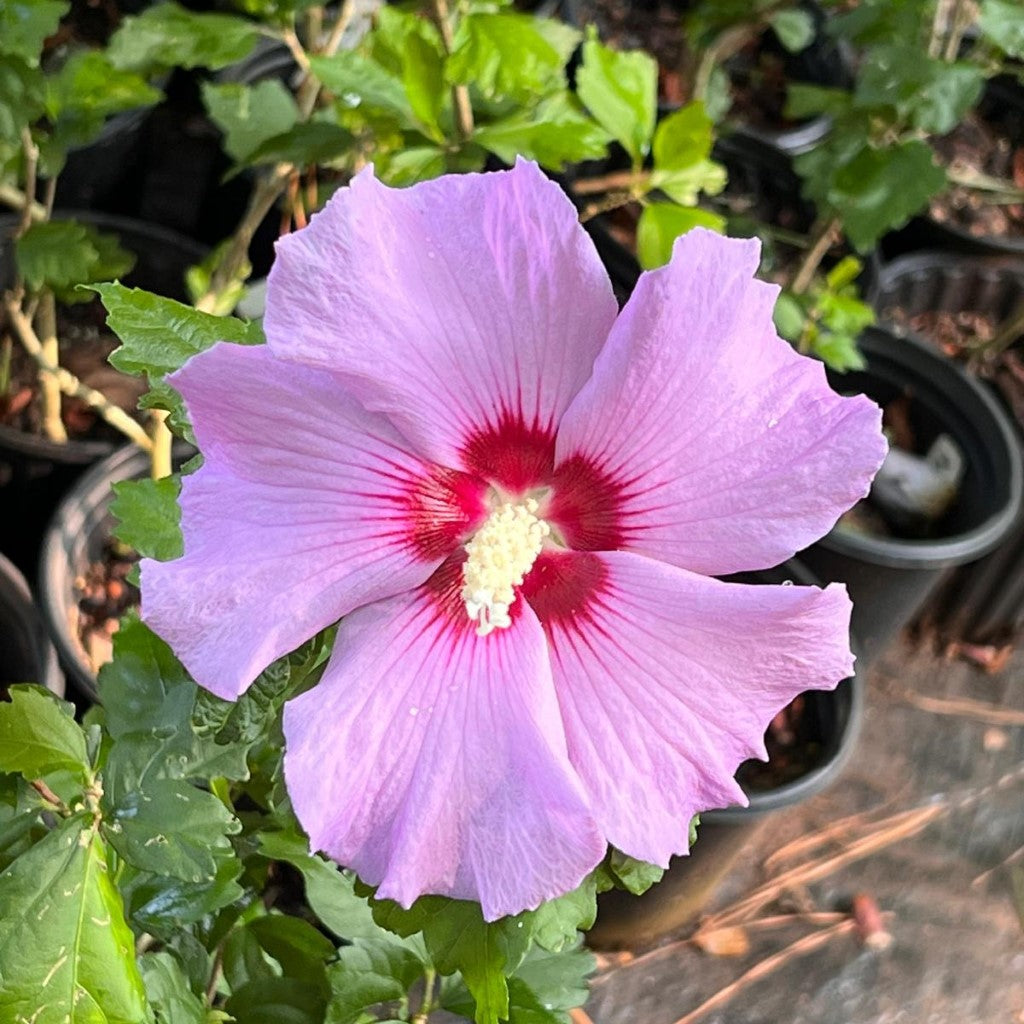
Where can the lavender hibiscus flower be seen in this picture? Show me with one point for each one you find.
(514, 499)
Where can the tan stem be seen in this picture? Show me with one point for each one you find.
(460, 93)
(610, 202)
(608, 182)
(959, 22)
(49, 350)
(31, 164)
(348, 9)
(822, 237)
(938, 30)
(268, 187)
(160, 464)
(731, 41)
(11, 196)
(70, 384)
(291, 40)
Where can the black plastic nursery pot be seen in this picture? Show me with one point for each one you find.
(77, 538)
(627, 921)
(890, 577)
(982, 602)
(823, 62)
(26, 654)
(35, 471)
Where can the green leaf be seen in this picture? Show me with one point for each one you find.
(158, 335)
(164, 906)
(662, 223)
(68, 956)
(329, 891)
(557, 981)
(24, 24)
(1001, 22)
(171, 829)
(362, 83)
(635, 876)
(296, 945)
(249, 115)
(620, 90)
(555, 133)
(794, 28)
(844, 273)
(61, 254)
(168, 991)
(687, 185)
(369, 972)
(39, 735)
(803, 100)
(556, 924)
(457, 938)
(277, 1001)
(416, 163)
(83, 94)
(789, 316)
(838, 351)
(504, 55)
(306, 144)
(684, 138)
(544, 988)
(148, 516)
(423, 81)
(149, 699)
(932, 95)
(167, 35)
(145, 688)
(876, 190)
(21, 98)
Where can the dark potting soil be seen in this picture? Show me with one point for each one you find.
(758, 74)
(104, 594)
(979, 145)
(794, 749)
(85, 344)
(963, 335)
(758, 81)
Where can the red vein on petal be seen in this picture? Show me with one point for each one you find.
(442, 509)
(512, 453)
(563, 589)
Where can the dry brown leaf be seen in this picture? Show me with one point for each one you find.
(728, 941)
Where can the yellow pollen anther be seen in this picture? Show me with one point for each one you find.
(501, 553)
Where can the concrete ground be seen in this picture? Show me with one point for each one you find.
(930, 817)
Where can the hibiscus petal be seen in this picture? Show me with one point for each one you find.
(468, 309)
(431, 760)
(305, 507)
(667, 681)
(703, 439)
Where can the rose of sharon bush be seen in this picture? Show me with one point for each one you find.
(514, 499)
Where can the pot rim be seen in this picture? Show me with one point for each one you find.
(958, 548)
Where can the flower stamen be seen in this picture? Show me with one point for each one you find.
(500, 555)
